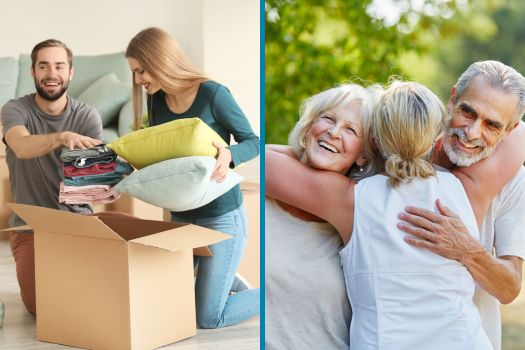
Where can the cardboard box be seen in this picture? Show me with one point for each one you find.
(114, 283)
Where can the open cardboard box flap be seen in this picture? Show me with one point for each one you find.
(187, 236)
(59, 221)
(170, 236)
(18, 228)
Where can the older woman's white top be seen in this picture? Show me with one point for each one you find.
(306, 304)
(402, 297)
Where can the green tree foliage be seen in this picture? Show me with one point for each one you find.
(495, 31)
(316, 44)
(312, 45)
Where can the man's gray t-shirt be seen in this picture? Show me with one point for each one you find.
(37, 181)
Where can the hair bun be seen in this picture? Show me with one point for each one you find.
(404, 170)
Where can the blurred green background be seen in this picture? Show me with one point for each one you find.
(312, 45)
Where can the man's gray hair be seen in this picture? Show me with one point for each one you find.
(499, 76)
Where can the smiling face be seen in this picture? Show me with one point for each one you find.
(143, 77)
(51, 73)
(480, 119)
(335, 139)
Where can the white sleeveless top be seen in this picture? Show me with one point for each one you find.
(306, 304)
(402, 297)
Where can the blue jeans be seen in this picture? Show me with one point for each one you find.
(215, 306)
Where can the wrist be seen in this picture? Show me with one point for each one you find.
(230, 157)
(60, 137)
(474, 255)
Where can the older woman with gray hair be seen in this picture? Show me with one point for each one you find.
(306, 302)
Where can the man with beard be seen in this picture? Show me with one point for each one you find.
(486, 104)
(35, 128)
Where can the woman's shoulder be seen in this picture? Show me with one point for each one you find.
(214, 92)
(445, 175)
(213, 87)
(372, 180)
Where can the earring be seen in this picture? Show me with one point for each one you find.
(361, 169)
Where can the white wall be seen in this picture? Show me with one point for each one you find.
(96, 26)
(221, 37)
(231, 48)
(231, 55)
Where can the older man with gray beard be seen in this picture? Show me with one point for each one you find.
(486, 104)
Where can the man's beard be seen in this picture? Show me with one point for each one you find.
(458, 156)
(51, 97)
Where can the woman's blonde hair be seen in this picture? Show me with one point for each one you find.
(161, 56)
(406, 122)
(314, 106)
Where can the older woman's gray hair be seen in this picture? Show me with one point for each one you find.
(342, 94)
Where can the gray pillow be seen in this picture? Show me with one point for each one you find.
(125, 119)
(9, 74)
(178, 184)
(107, 94)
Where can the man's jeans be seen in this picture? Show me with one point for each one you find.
(215, 306)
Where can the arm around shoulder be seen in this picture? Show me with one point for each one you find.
(326, 194)
(284, 149)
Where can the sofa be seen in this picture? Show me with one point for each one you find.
(103, 81)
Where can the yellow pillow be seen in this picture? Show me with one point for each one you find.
(178, 138)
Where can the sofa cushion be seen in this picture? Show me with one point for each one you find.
(125, 119)
(107, 95)
(178, 184)
(178, 138)
(9, 79)
(109, 133)
(87, 69)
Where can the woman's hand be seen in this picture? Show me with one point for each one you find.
(224, 158)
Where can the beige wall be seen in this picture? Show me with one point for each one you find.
(96, 26)
(221, 37)
(231, 49)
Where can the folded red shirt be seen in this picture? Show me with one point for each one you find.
(95, 169)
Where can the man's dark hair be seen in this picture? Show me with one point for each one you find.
(51, 43)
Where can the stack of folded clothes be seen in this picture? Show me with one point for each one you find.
(89, 175)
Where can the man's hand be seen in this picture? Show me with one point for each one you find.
(71, 140)
(224, 158)
(443, 234)
(27, 146)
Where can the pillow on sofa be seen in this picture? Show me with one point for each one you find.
(9, 74)
(178, 184)
(125, 119)
(178, 138)
(107, 94)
